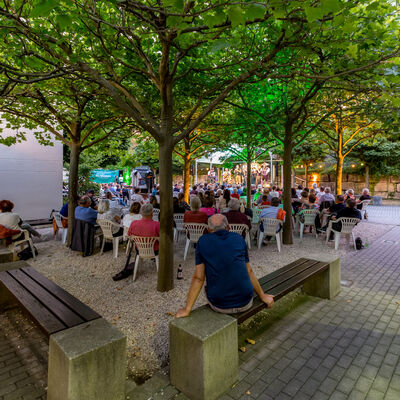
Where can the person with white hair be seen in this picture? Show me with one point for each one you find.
(223, 260)
(364, 196)
(327, 196)
(106, 212)
(234, 216)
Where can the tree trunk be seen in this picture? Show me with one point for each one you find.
(306, 175)
(166, 254)
(287, 198)
(248, 179)
(186, 170)
(293, 178)
(367, 176)
(72, 187)
(339, 174)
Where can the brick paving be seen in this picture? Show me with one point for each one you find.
(345, 348)
(23, 358)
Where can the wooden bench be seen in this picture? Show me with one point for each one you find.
(204, 346)
(284, 280)
(86, 353)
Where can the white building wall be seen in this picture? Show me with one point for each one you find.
(31, 176)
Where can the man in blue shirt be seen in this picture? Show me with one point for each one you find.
(84, 212)
(222, 259)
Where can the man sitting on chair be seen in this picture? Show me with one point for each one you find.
(223, 261)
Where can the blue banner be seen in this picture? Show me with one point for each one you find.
(104, 175)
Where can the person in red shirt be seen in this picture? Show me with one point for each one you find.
(235, 194)
(145, 227)
(195, 215)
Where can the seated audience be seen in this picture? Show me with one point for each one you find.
(235, 194)
(134, 214)
(273, 193)
(265, 201)
(327, 196)
(234, 216)
(11, 220)
(273, 212)
(84, 212)
(136, 196)
(153, 201)
(105, 212)
(178, 209)
(244, 210)
(349, 194)
(182, 202)
(115, 202)
(195, 215)
(145, 227)
(93, 203)
(208, 207)
(222, 259)
(364, 196)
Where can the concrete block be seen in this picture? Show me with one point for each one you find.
(6, 256)
(87, 362)
(326, 284)
(204, 354)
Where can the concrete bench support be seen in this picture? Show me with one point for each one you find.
(325, 285)
(87, 362)
(204, 354)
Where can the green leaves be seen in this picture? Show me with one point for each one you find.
(63, 21)
(44, 8)
(236, 16)
(255, 11)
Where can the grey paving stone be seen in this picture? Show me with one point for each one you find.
(328, 386)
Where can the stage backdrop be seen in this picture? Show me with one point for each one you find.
(31, 176)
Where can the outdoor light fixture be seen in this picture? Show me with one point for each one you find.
(353, 165)
(320, 166)
(310, 165)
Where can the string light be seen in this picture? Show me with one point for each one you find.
(320, 166)
(353, 165)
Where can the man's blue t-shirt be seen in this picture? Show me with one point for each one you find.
(224, 255)
(86, 214)
(64, 210)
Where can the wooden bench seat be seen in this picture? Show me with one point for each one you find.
(214, 336)
(87, 355)
(48, 304)
(283, 281)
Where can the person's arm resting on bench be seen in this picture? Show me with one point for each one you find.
(266, 298)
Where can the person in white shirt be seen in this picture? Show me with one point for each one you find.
(327, 196)
(106, 212)
(136, 196)
(134, 214)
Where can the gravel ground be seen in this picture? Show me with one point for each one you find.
(137, 308)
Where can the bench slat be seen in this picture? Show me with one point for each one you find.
(294, 271)
(286, 268)
(68, 299)
(47, 321)
(287, 286)
(306, 270)
(59, 309)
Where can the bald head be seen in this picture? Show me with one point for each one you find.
(217, 222)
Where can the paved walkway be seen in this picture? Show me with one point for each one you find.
(384, 214)
(347, 348)
(23, 358)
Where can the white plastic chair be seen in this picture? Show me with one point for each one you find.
(64, 231)
(195, 231)
(309, 220)
(27, 238)
(179, 228)
(348, 225)
(256, 215)
(270, 226)
(145, 248)
(156, 213)
(106, 227)
(239, 228)
(363, 209)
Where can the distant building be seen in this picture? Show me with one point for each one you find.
(31, 175)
